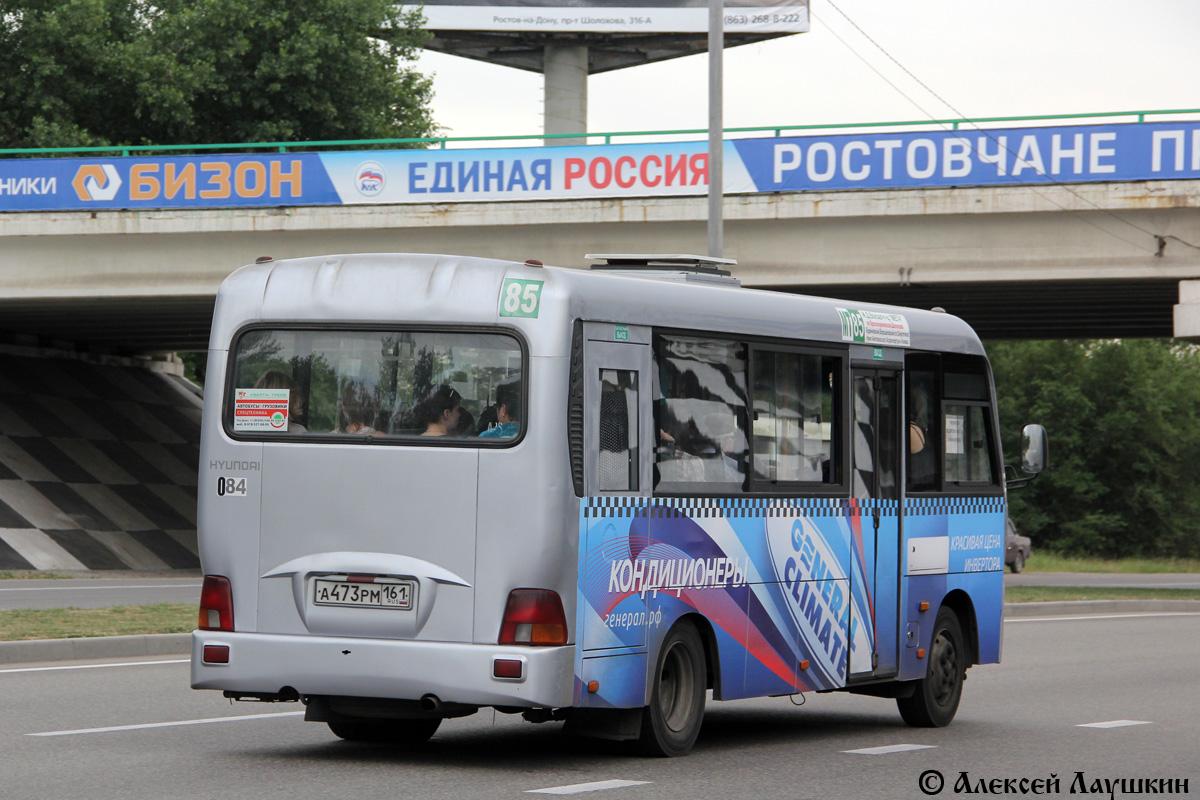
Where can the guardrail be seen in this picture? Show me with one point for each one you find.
(441, 142)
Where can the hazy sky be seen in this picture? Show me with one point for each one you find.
(984, 57)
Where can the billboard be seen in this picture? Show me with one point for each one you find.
(923, 159)
(612, 16)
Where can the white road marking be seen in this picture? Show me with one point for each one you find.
(580, 788)
(169, 724)
(95, 588)
(1107, 616)
(98, 666)
(891, 748)
(1114, 723)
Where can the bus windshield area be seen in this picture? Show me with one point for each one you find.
(362, 385)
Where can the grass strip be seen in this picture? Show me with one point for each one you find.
(1043, 594)
(65, 623)
(1047, 561)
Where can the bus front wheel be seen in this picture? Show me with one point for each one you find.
(934, 700)
(386, 731)
(671, 723)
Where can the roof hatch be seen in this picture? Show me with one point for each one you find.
(678, 266)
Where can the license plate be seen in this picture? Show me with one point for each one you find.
(393, 593)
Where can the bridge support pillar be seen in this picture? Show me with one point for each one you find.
(565, 72)
(1187, 312)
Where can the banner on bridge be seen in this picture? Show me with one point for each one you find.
(1000, 157)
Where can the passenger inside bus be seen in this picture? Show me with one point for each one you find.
(508, 412)
(440, 412)
(356, 411)
(276, 379)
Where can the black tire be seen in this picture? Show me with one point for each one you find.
(935, 701)
(671, 723)
(1018, 563)
(387, 731)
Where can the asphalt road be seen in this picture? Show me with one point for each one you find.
(104, 592)
(112, 730)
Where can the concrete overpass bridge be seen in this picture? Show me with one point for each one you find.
(1046, 231)
(1051, 232)
(1022, 262)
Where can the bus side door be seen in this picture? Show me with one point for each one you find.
(875, 486)
(614, 530)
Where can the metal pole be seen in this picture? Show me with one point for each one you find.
(716, 139)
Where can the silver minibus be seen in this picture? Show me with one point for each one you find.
(434, 484)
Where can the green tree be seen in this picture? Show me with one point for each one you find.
(1124, 425)
(129, 72)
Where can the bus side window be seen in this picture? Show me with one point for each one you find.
(700, 411)
(795, 403)
(618, 464)
(967, 458)
(969, 436)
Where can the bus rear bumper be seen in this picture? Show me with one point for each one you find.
(260, 663)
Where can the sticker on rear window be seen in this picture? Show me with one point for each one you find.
(260, 409)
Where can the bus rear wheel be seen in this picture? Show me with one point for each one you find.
(934, 702)
(671, 723)
(386, 731)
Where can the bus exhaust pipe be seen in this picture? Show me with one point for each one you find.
(431, 703)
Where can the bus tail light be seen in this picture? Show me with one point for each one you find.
(533, 617)
(216, 604)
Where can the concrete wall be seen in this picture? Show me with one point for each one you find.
(97, 466)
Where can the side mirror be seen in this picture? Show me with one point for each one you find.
(1035, 449)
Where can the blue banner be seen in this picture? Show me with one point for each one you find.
(1001, 157)
(997, 157)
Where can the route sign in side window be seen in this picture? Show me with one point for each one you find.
(351, 385)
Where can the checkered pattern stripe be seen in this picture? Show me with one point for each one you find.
(886, 508)
(953, 505)
(699, 507)
(659, 507)
(97, 467)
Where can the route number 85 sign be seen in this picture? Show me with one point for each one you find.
(520, 298)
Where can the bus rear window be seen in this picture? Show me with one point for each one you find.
(360, 385)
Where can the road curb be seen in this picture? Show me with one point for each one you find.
(1093, 607)
(95, 647)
